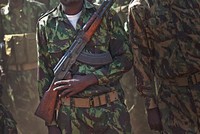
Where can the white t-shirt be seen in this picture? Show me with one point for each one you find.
(74, 18)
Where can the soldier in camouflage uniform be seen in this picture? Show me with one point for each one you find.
(56, 31)
(7, 123)
(19, 22)
(165, 37)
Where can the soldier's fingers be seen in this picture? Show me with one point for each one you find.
(61, 82)
(62, 87)
(59, 88)
(71, 93)
(65, 92)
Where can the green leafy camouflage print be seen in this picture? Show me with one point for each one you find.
(56, 35)
(22, 21)
(107, 119)
(121, 7)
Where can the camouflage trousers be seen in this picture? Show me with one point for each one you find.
(108, 119)
(24, 94)
(180, 109)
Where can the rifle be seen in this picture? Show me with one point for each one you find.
(46, 107)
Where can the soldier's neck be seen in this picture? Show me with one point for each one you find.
(73, 8)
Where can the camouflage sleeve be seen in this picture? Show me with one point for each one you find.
(42, 10)
(45, 73)
(142, 55)
(39, 8)
(53, 3)
(120, 51)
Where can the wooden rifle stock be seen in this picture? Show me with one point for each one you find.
(46, 108)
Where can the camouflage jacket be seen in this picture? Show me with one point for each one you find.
(55, 34)
(23, 20)
(165, 38)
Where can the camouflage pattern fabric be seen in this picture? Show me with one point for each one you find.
(121, 7)
(116, 4)
(53, 4)
(23, 20)
(165, 38)
(107, 119)
(132, 98)
(53, 41)
(7, 122)
(21, 84)
(180, 107)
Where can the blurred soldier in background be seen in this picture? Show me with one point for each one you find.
(165, 38)
(133, 100)
(7, 123)
(19, 19)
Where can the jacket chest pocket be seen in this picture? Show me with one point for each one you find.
(57, 48)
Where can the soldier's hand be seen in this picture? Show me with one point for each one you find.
(53, 130)
(154, 119)
(75, 85)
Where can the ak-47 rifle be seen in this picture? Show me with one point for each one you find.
(46, 108)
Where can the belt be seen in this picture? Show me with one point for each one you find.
(22, 67)
(184, 81)
(94, 101)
